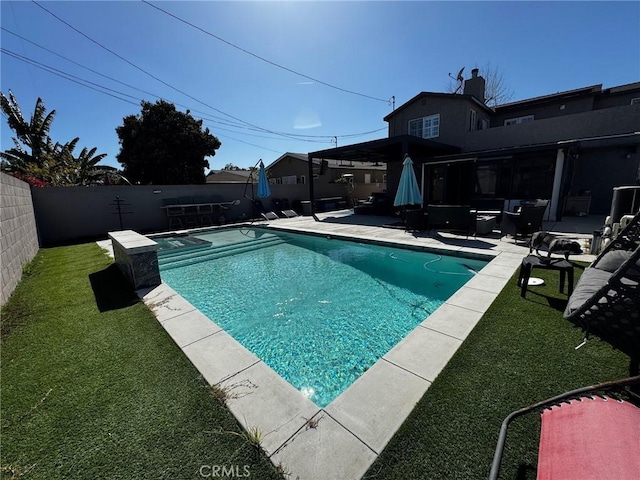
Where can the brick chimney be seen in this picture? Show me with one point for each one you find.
(475, 85)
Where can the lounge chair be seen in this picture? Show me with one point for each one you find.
(289, 213)
(606, 299)
(270, 215)
(589, 433)
(525, 222)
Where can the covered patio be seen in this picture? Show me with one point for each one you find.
(385, 150)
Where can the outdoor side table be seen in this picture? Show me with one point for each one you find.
(533, 261)
(485, 224)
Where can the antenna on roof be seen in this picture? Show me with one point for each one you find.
(458, 78)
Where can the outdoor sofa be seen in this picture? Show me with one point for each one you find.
(451, 217)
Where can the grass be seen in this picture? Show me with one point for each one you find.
(92, 387)
(521, 351)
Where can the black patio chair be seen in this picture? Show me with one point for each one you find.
(525, 222)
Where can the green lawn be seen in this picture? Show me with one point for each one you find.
(92, 386)
(522, 351)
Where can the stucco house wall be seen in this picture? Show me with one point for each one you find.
(454, 111)
(610, 121)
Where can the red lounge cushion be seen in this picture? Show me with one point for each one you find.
(590, 439)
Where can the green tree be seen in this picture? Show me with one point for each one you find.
(164, 146)
(231, 166)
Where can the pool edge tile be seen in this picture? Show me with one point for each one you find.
(326, 451)
(189, 327)
(164, 302)
(219, 357)
(424, 352)
(260, 398)
(452, 320)
(377, 403)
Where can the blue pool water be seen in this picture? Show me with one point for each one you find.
(318, 311)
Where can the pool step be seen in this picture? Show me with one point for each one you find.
(211, 253)
(168, 256)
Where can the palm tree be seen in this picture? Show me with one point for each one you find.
(47, 162)
(86, 169)
(33, 134)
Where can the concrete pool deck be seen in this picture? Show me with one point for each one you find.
(342, 440)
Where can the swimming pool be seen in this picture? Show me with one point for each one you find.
(318, 311)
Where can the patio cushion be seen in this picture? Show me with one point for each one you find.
(612, 260)
(592, 280)
(590, 439)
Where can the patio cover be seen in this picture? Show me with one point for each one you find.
(384, 150)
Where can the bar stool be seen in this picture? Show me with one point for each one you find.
(204, 211)
(175, 214)
(191, 215)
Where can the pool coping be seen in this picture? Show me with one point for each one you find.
(343, 439)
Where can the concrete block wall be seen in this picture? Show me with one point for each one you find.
(75, 214)
(18, 234)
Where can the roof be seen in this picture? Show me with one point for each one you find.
(331, 163)
(387, 150)
(584, 91)
(626, 139)
(421, 95)
(228, 176)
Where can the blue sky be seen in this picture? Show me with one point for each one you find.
(260, 111)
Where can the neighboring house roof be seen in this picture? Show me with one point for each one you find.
(342, 164)
(228, 176)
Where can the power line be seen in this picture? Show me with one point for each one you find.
(96, 87)
(66, 76)
(277, 65)
(220, 120)
(150, 74)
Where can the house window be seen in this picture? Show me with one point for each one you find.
(302, 179)
(278, 181)
(483, 124)
(518, 120)
(289, 180)
(426, 127)
(367, 178)
(473, 120)
(635, 101)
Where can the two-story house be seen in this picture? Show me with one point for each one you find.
(570, 147)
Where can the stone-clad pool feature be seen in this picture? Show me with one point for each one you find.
(136, 257)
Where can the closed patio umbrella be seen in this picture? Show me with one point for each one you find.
(408, 192)
(263, 184)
